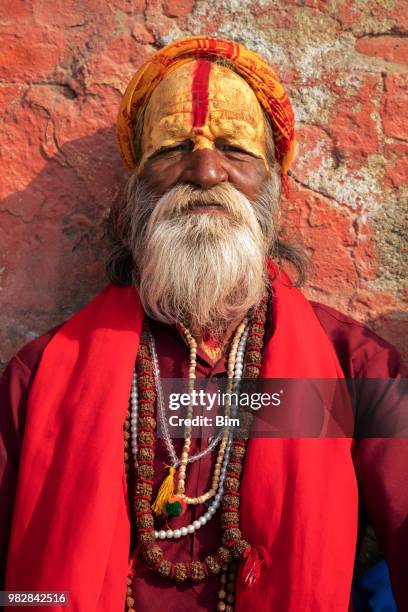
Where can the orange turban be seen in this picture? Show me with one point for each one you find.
(258, 74)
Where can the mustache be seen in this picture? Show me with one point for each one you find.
(182, 199)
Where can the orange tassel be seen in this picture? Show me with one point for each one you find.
(165, 492)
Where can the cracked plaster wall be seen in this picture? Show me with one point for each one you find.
(63, 68)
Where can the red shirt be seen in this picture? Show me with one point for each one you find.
(381, 465)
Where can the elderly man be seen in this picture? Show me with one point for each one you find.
(197, 292)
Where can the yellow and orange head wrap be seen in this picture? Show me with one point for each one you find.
(254, 70)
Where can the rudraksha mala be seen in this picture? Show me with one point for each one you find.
(148, 554)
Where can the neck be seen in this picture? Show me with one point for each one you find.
(215, 346)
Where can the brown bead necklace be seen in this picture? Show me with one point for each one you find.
(149, 555)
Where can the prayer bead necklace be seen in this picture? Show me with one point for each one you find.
(187, 434)
(176, 533)
(166, 501)
(203, 520)
(148, 554)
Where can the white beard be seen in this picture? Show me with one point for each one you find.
(204, 269)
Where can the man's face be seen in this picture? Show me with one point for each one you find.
(202, 202)
(204, 126)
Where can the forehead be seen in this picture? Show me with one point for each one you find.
(202, 93)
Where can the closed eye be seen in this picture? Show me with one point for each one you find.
(227, 147)
(230, 148)
(187, 145)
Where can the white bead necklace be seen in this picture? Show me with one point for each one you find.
(195, 525)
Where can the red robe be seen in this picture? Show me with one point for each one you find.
(360, 353)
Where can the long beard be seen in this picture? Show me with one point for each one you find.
(204, 269)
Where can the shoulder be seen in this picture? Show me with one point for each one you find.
(28, 357)
(361, 352)
(15, 385)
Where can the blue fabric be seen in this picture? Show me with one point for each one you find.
(372, 592)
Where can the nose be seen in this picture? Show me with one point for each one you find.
(204, 169)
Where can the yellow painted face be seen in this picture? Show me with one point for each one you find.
(206, 103)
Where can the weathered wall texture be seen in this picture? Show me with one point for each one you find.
(64, 65)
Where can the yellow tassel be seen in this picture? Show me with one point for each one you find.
(165, 492)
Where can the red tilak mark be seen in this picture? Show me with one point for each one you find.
(199, 91)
